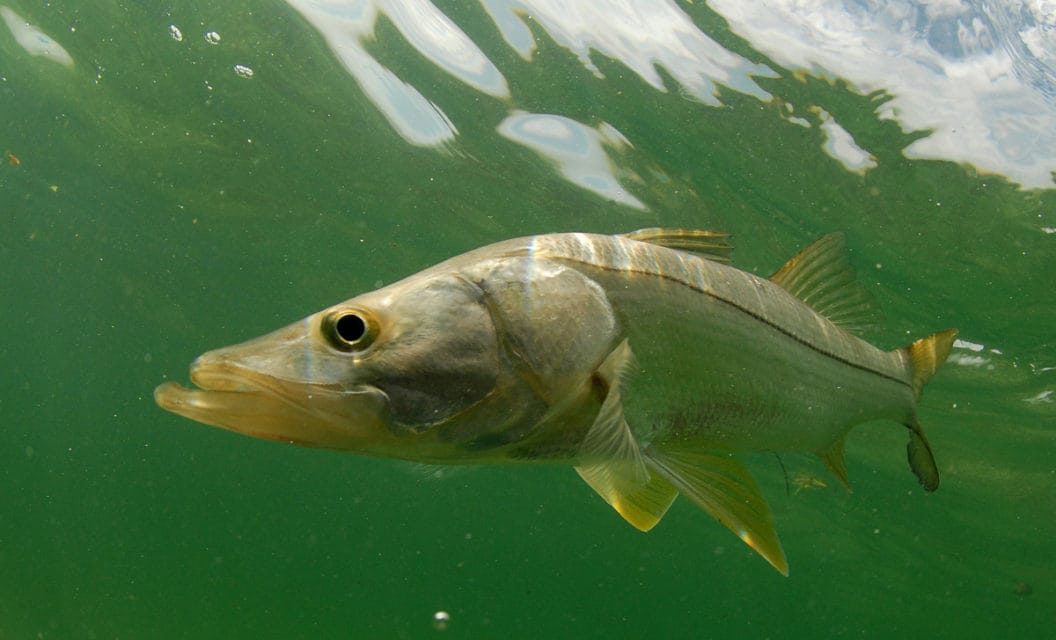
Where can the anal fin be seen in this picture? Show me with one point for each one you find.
(722, 486)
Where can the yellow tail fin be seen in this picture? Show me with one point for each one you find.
(926, 354)
(925, 357)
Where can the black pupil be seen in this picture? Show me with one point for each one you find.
(350, 327)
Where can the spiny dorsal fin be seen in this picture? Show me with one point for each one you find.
(834, 459)
(722, 486)
(613, 463)
(822, 277)
(711, 245)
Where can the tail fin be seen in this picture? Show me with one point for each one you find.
(921, 459)
(925, 356)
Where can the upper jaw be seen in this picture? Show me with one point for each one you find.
(230, 401)
(257, 405)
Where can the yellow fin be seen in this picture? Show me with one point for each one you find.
(722, 486)
(822, 277)
(609, 440)
(642, 505)
(712, 245)
(926, 354)
(834, 459)
(612, 463)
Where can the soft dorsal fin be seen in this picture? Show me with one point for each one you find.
(712, 245)
(612, 461)
(822, 277)
(722, 486)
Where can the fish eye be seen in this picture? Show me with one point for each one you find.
(348, 330)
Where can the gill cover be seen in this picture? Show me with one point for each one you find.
(434, 354)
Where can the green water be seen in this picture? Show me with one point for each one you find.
(163, 205)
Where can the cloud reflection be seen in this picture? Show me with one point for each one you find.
(982, 82)
(33, 40)
(641, 35)
(575, 149)
(840, 145)
(968, 72)
(346, 24)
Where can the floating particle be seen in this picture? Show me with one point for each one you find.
(243, 71)
(804, 481)
(440, 620)
(212, 37)
(1021, 589)
(12, 159)
(175, 32)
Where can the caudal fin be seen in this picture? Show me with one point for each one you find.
(925, 357)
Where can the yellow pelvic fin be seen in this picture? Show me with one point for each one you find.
(712, 245)
(722, 486)
(926, 354)
(612, 462)
(642, 505)
(834, 459)
(822, 277)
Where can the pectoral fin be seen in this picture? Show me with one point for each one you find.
(612, 460)
(722, 486)
(609, 440)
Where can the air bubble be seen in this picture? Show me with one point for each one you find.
(441, 620)
(212, 37)
(175, 32)
(243, 71)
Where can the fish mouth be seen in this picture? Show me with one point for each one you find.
(257, 405)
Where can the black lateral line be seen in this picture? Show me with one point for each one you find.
(748, 312)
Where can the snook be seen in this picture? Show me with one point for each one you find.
(643, 360)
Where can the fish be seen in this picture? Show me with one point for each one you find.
(644, 360)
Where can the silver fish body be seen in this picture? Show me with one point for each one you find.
(641, 359)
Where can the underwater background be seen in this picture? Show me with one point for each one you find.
(184, 175)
